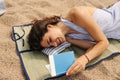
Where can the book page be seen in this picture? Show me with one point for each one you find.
(48, 67)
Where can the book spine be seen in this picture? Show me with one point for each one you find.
(52, 65)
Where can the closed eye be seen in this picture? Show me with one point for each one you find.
(49, 41)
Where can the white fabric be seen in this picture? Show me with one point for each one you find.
(107, 19)
(2, 7)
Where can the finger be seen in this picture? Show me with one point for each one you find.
(61, 40)
(71, 68)
(55, 44)
(77, 69)
(80, 69)
(56, 40)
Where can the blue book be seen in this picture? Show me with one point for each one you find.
(60, 63)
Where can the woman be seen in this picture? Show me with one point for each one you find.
(93, 26)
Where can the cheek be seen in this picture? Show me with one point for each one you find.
(54, 35)
(43, 43)
(53, 38)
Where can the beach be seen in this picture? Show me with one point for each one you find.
(23, 12)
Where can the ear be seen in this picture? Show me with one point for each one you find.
(49, 26)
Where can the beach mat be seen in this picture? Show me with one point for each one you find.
(33, 62)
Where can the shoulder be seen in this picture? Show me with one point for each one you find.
(81, 10)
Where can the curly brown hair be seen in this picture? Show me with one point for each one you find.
(38, 30)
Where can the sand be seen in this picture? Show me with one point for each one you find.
(24, 11)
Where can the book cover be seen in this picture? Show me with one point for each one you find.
(60, 63)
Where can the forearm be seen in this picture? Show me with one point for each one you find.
(93, 49)
(96, 50)
(85, 44)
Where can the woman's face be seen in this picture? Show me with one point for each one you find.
(53, 37)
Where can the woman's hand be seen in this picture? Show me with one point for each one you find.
(68, 38)
(78, 66)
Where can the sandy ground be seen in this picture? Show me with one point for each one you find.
(24, 11)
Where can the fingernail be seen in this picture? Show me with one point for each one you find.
(66, 74)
